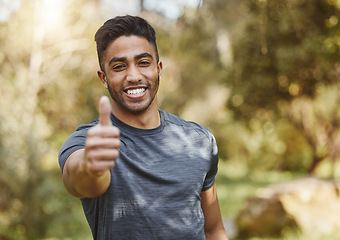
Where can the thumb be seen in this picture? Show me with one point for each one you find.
(104, 111)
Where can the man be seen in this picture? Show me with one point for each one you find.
(140, 172)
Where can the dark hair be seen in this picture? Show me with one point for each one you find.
(123, 26)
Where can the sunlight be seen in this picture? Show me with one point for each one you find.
(7, 7)
(52, 13)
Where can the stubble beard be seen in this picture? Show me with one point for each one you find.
(119, 99)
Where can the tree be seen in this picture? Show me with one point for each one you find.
(290, 47)
(289, 52)
(318, 121)
(40, 57)
(281, 52)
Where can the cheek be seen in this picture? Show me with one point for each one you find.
(114, 80)
(154, 76)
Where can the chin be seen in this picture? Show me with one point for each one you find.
(136, 109)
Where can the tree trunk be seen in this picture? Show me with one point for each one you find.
(142, 6)
(316, 161)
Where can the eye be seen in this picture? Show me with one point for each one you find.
(118, 67)
(144, 63)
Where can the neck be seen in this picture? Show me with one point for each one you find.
(148, 119)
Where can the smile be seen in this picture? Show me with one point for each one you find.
(136, 91)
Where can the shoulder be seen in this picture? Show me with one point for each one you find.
(171, 119)
(74, 142)
(87, 126)
(77, 138)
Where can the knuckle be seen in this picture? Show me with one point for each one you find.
(91, 166)
(117, 131)
(88, 143)
(92, 131)
(115, 143)
(115, 153)
(90, 155)
(113, 130)
(111, 164)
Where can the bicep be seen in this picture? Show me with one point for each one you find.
(70, 164)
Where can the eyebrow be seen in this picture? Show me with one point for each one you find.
(123, 59)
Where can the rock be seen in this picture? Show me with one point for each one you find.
(308, 205)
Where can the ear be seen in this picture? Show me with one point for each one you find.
(102, 76)
(160, 68)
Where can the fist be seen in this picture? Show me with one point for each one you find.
(102, 142)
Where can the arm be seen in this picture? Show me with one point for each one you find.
(78, 182)
(86, 172)
(213, 225)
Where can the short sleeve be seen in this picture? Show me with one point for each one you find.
(210, 177)
(73, 143)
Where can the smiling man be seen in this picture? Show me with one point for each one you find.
(140, 172)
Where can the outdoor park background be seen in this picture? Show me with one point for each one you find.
(262, 75)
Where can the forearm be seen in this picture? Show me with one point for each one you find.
(213, 226)
(79, 183)
(216, 235)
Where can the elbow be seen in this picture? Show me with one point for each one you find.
(216, 234)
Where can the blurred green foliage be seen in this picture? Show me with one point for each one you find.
(262, 75)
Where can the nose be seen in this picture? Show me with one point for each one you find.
(133, 74)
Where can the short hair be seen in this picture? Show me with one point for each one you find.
(123, 26)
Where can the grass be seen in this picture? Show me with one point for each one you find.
(235, 185)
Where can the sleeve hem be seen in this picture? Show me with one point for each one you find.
(207, 187)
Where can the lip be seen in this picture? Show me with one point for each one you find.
(137, 92)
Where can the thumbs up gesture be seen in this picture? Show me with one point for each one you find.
(104, 111)
(102, 142)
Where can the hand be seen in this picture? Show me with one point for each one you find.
(102, 143)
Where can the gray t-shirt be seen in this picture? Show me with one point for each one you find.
(156, 181)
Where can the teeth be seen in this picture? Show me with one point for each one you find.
(135, 91)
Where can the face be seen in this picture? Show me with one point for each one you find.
(131, 74)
